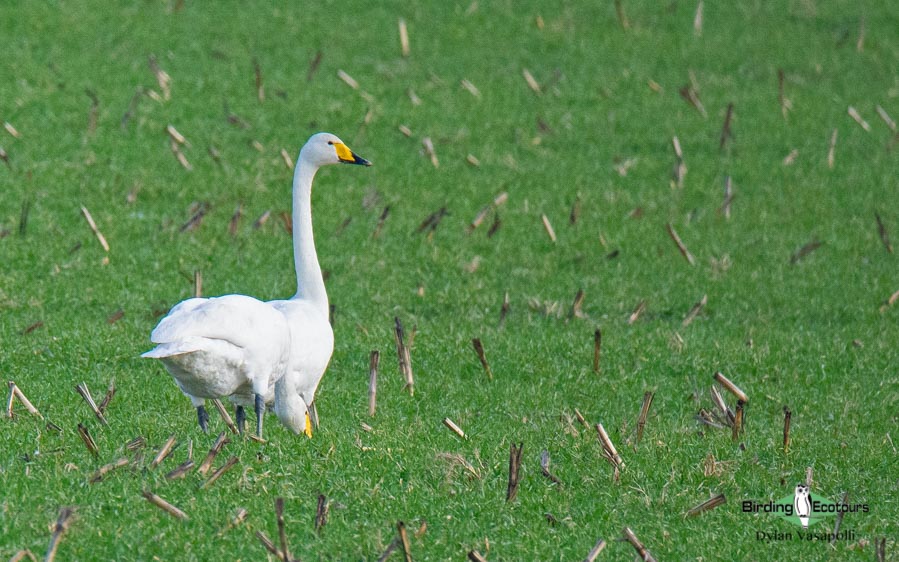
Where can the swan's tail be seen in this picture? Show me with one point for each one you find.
(169, 350)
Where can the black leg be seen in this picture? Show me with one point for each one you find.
(203, 418)
(241, 415)
(260, 409)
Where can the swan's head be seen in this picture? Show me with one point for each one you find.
(324, 148)
(291, 409)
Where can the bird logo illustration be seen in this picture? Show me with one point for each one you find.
(802, 504)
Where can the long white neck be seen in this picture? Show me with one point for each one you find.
(310, 285)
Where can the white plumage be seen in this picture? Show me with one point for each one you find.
(255, 352)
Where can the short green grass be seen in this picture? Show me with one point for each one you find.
(810, 336)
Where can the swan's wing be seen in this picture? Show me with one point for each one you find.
(238, 319)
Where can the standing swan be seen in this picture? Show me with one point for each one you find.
(311, 337)
(256, 352)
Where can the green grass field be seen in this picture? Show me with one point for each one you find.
(815, 335)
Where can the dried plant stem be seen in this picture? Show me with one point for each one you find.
(218, 473)
(268, 544)
(59, 529)
(85, 393)
(725, 129)
(260, 86)
(404, 540)
(581, 419)
(884, 235)
(220, 442)
(403, 355)
(504, 309)
(321, 513)
(373, 361)
(235, 220)
(644, 554)
(404, 38)
(839, 519)
(476, 556)
(531, 81)
(549, 228)
(163, 452)
(347, 79)
(225, 415)
(622, 17)
(282, 532)
(428, 145)
(728, 197)
(738, 421)
(804, 251)
(694, 312)
(479, 349)
(20, 396)
(594, 552)
(94, 229)
(453, 427)
(644, 412)
(880, 548)
(731, 387)
(500, 198)
(680, 245)
(575, 212)
(394, 544)
(608, 447)
(88, 440)
(22, 555)
(707, 505)
(697, 20)
(11, 399)
(110, 392)
(722, 407)
(787, 419)
(106, 469)
(886, 118)
(313, 65)
(691, 96)
(576, 311)
(238, 518)
(180, 471)
(544, 467)
(858, 119)
(781, 98)
(514, 468)
(164, 505)
(680, 167)
(638, 310)
(832, 149)
(381, 220)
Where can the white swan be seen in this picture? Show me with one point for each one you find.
(255, 352)
(311, 337)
